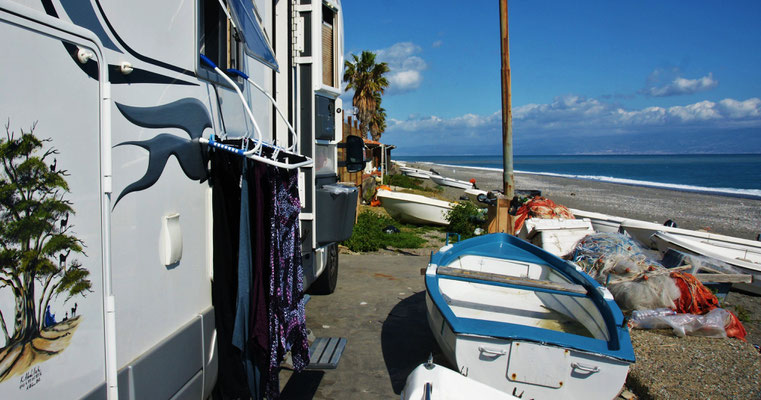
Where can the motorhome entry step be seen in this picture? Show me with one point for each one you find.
(324, 353)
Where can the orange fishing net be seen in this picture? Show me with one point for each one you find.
(540, 207)
(697, 299)
(375, 202)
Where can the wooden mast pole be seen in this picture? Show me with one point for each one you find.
(507, 113)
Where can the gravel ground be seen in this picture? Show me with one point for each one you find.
(667, 367)
(692, 367)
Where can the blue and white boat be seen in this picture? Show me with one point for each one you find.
(515, 317)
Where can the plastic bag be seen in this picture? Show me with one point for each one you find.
(711, 324)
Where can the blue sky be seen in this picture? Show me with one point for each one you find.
(587, 77)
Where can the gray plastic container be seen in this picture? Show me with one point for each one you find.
(337, 209)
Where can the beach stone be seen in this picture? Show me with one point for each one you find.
(693, 367)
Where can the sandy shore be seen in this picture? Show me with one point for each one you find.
(720, 214)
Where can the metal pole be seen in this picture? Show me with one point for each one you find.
(507, 113)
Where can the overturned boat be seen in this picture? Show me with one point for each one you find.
(517, 318)
(434, 382)
(413, 208)
(451, 182)
(416, 173)
(744, 255)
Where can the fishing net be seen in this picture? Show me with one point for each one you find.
(540, 207)
(636, 281)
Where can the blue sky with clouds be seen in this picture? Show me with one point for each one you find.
(587, 77)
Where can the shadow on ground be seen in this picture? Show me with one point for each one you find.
(407, 341)
(302, 385)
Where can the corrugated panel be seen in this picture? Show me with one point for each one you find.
(328, 75)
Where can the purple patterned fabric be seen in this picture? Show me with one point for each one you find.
(287, 321)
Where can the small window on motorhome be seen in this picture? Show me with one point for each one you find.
(328, 46)
(217, 40)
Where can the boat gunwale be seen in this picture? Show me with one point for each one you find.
(618, 346)
(383, 193)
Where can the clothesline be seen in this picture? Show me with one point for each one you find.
(308, 162)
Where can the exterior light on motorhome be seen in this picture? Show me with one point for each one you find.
(84, 55)
(126, 68)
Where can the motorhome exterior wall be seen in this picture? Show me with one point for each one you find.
(34, 95)
(155, 101)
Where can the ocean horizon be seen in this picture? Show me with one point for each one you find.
(734, 175)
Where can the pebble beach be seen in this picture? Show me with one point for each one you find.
(667, 367)
(732, 216)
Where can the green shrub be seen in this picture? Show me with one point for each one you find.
(464, 218)
(368, 234)
(403, 181)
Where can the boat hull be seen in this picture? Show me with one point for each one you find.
(416, 173)
(444, 181)
(414, 209)
(500, 334)
(557, 236)
(744, 258)
(600, 222)
(447, 384)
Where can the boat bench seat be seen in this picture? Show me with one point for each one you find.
(499, 279)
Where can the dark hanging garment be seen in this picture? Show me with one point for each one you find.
(225, 179)
(260, 202)
(287, 322)
(246, 288)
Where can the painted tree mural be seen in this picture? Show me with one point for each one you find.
(37, 250)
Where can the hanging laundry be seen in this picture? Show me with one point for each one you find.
(226, 169)
(287, 321)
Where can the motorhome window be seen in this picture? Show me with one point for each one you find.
(328, 46)
(325, 159)
(217, 41)
(249, 26)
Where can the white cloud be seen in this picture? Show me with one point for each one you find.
(679, 86)
(580, 116)
(406, 67)
(437, 44)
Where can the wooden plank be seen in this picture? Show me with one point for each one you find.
(724, 278)
(512, 280)
(498, 218)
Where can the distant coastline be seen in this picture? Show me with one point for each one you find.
(732, 175)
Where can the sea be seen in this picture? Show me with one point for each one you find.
(735, 175)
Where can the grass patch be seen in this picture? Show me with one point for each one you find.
(368, 234)
(403, 181)
(742, 313)
(407, 182)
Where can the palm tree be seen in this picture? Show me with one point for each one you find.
(378, 123)
(367, 79)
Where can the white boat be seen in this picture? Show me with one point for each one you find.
(742, 254)
(444, 181)
(434, 382)
(513, 316)
(643, 231)
(473, 193)
(557, 236)
(600, 222)
(416, 173)
(413, 208)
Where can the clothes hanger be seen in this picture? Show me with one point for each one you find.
(263, 152)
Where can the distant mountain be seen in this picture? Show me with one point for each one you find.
(697, 142)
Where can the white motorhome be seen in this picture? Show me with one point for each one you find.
(121, 91)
